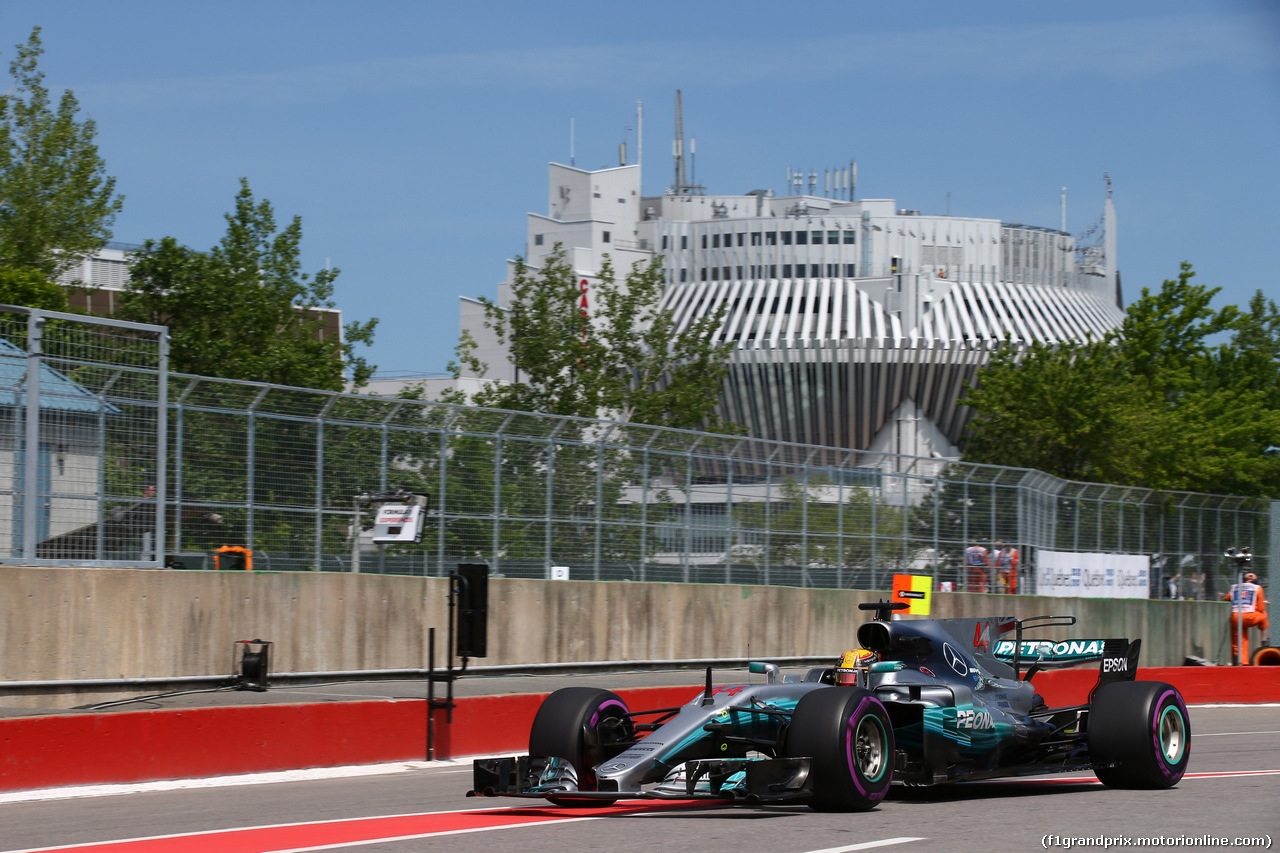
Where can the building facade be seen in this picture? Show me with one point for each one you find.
(854, 323)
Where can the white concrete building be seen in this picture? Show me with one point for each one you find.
(854, 323)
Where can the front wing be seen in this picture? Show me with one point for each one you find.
(754, 780)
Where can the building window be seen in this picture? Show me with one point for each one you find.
(773, 270)
(684, 241)
(715, 241)
(814, 270)
(739, 272)
(715, 273)
(786, 270)
(664, 241)
(742, 236)
(817, 238)
(802, 238)
(704, 241)
(833, 237)
(605, 237)
(726, 273)
(684, 275)
(537, 239)
(848, 237)
(833, 270)
(704, 273)
(771, 238)
(755, 238)
(850, 270)
(786, 238)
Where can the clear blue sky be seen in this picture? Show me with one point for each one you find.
(412, 137)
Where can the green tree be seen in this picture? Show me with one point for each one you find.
(56, 202)
(1157, 404)
(244, 309)
(30, 288)
(625, 359)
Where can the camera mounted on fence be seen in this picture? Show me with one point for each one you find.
(1242, 556)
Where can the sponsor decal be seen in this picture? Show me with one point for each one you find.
(1115, 664)
(1065, 650)
(954, 660)
(969, 718)
(927, 671)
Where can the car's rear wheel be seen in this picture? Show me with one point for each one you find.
(846, 734)
(585, 725)
(1143, 729)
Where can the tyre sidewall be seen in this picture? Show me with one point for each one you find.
(560, 728)
(1125, 728)
(825, 728)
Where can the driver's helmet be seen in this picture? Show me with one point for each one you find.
(853, 666)
(1250, 577)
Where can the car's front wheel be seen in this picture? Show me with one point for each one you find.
(846, 734)
(585, 725)
(1141, 728)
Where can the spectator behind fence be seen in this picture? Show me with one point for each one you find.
(1006, 565)
(977, 561)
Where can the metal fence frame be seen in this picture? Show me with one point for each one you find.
(279, 469)
(62, 377)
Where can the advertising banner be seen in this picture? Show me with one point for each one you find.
(1093, 575)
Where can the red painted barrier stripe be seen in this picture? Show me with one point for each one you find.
(294, 838)
(141, 746)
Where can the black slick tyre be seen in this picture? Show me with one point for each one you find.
(846, 734)
(1141, 727)
(585, 725)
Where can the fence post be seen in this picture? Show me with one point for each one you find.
(31, 441)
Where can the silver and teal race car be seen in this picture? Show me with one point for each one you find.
(923, 702)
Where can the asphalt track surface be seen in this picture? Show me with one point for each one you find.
(1229, 793)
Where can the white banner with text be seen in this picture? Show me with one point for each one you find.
(1093, 575)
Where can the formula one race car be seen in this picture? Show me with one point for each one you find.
(922, 702)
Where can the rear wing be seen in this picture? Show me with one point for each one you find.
(1118, 658)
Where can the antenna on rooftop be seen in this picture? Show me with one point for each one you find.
(639, 130)
(678, 148)
(683, 185)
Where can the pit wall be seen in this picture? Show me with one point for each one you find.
(53, 750)
(62, 624)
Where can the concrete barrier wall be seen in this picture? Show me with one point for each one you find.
(72, 623)
(136, 746)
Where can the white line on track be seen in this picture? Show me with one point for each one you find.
(869, 845)
(346, 844)
(1228, 734)
(344, 772)
(866, 845)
